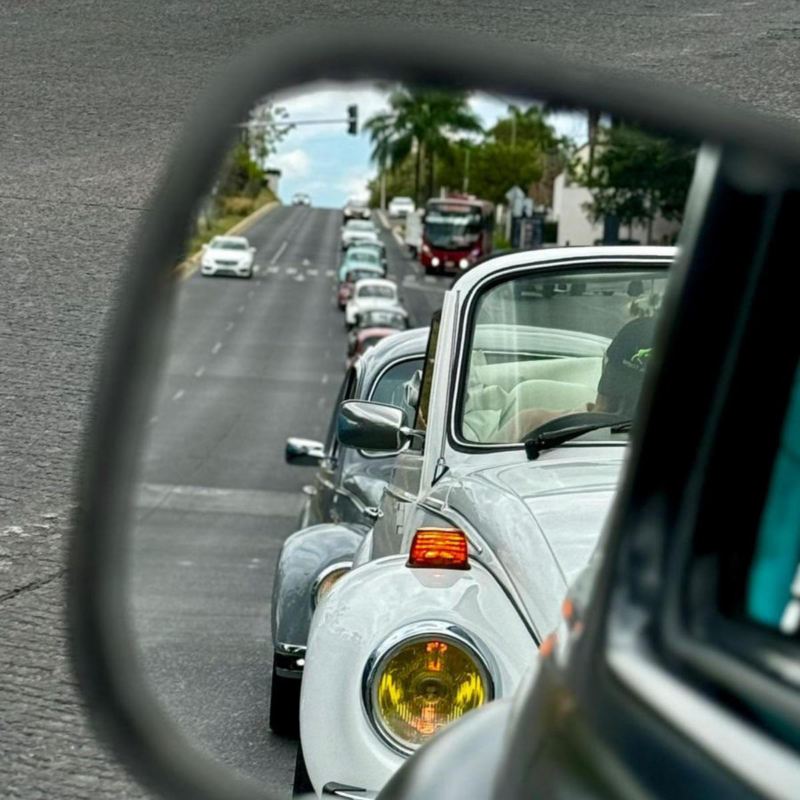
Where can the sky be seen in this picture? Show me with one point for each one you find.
(331, 165)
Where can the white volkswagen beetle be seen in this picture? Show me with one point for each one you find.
(499, 492)
(228, 255)
(371, 294)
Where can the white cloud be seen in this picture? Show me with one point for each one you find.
(355, 183)
(293, 163)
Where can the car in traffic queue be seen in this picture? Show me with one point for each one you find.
(340, 507)
(369, 244)
(301, 199)
(401, 206)
(363, 253)
(501, 485)
(372, 294)
(357, 231)
(374, 326)
(356, 209)
(227, 255)
(349, 276)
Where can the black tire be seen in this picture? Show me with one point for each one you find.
(302, 783)
(284, 706)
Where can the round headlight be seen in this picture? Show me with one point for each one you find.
(434, 262)
(464, 263)
(326, 580)
(423, 684)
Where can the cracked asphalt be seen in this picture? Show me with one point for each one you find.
(93, 94)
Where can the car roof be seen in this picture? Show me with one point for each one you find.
(240, 239)
(400, 345)
(375, 282)
(368, 249)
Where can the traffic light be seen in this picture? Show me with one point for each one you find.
(352, 120)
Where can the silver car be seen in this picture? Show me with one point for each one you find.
(501, 485)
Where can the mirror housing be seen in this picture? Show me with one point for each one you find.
(304, 452)
(372, 426)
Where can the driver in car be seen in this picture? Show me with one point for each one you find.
(620, 382)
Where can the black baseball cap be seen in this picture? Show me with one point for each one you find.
(626, 359)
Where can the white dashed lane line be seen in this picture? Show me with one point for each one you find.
(198, 373)
(312, 272)
(178, 394)
(273, 270)
(216, 348)
(229, 327)
(279, 252)
(325, 378)
(291, 271)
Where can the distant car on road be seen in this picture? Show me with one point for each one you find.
(359, 254)
(401, 206)
(228, 255)
(361, 340)
(358, 230)
(378, 246)
(371, 294)
(356, 209)
(349, 275)
(301, 199)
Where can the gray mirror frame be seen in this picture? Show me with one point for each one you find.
(121, 703)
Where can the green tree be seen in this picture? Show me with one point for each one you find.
(419, 123)
(637, 176)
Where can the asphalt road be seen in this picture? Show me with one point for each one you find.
(251, 362)
(93, 94)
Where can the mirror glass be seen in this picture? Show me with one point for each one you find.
(338, 221)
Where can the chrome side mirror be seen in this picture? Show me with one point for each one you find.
(304, 452)
(373, 426)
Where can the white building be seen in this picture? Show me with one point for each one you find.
(570, 201)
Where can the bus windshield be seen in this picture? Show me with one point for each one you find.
(452, 229)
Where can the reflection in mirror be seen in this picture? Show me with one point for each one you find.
(338, 221)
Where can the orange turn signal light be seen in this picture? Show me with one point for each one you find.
(445, 548)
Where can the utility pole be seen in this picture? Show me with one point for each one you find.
(383, 190)
(465, 184)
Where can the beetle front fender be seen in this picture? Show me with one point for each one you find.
(364, 609)
(303, 556)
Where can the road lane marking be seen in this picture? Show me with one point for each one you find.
(290, 270)
(240, 310)
(198, 373)
(313, 272)
(256, 267)
(329, 273)
(325, 378)
(251, 293)
(279, 252)
(153, 420)
(178, 394)
(306, 262)
(229, 326)
(384, 220)
(321, 402)
(399, 239)
(216, 348)
(273, 270)
(299, 278)
(213, 500)
(429, 279)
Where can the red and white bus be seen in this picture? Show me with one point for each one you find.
(456, 232)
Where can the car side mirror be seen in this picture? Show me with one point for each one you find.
(373, 427)
(304, 452)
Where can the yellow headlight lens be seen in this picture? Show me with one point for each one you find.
(424, 685)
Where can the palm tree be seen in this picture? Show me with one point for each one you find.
(419, 121)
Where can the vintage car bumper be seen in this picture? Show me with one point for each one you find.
(369, 606)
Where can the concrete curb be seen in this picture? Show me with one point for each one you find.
(188, 267)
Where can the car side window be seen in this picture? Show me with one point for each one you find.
(346, 392)
(391, 388)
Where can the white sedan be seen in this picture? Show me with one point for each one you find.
(401, 207)
(358, 230)
(228, 255)
(371, 294)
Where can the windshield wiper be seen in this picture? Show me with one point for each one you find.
(571, 426)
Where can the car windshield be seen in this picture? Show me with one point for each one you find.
(359, 225)
(452, 229)
(550, 347)
(228, 244)
(383, 319)
(375, 290)
(363, 256)
(353, 275)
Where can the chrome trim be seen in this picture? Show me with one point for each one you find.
(408, 634)
(324, 574)
(333, 789)
(290, 649)
(399, 494)
(627, 260)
